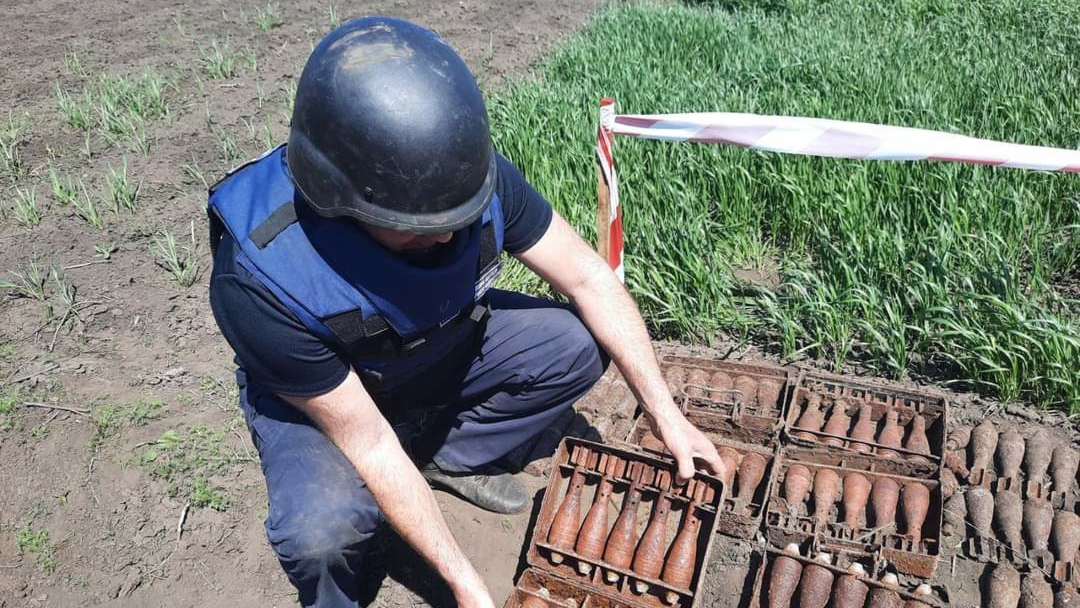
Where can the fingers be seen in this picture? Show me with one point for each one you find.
(685, 463)
(713, 463)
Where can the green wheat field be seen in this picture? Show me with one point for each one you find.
(966, 275)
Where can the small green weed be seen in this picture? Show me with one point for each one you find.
(105, 251)
(9, 414)
(231, 152)
(195, 173)
(11, 139)
(63, 190)
(26, 210)
(290, 100)
(119, 106)
(268, 18)
(123, 193)
(186, 460)
(37, 543)
(332, 17)
(181, 261)
(28, 283)
(78, 111)
(74, 62)
(86, 208)
(145, 410)
(218, 61)
(205, 495)
(64, 288)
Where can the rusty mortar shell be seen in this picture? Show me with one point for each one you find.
(1063, 465)
(958, 438)
(786, 573)
(564, 526)
(980, 510)
(884, 495)
(1008, 517)
(697, 383)
(675, 377)
(1038, 522)
(954, 512)
(826, 490)
(916, 503)
(1035, 591)
(811, 419)
(1066, 535)
(768, 392)
(917, 440)
(983, 444)
(856, 493)
(797, 482)
(887, 596)
(815, 587)
(891, 435)
(1003, 586)
(751, 471)
(722, 385)
(1010, 453)
(849, 591)
(837, 424)
(746, 390)
(731, 458)
(1037, 455)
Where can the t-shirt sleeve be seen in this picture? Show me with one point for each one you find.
(271, 344)
(526, 214)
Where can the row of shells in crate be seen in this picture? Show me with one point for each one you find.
(728, 385)
(1035, 466)
(865, 425)
(618, 523)
(788, 578)
(1002, 526)
(897, 516)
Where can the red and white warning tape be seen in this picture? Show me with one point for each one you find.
(816, 137)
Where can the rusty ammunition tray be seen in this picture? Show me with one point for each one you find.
(905, 590)
(559, 592)
(882, 397)
(785, 524)
(741, 417)
(620, 467)
(994, 551)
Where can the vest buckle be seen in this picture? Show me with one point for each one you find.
(409, 347)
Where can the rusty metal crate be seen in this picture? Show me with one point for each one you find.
(599, 579)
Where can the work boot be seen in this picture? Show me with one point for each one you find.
(492, 488)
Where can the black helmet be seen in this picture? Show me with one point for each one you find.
(390, 128)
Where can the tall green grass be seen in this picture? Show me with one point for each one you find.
(943, 269)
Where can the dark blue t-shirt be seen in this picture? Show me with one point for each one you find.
(278, 352)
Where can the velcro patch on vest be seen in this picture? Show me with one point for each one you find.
(487, 279)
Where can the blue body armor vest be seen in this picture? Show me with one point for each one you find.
(342, 285)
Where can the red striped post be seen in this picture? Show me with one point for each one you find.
(609, 230)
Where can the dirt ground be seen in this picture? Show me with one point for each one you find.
(136, 360)
(135, 337)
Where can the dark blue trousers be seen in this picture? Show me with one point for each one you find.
(534, 360)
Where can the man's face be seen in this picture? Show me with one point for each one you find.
(395, 240)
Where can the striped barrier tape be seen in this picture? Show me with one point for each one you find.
(812, 137)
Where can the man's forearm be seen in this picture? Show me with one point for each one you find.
(407, 503)
(614, 319)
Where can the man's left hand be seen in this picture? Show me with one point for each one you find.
(687, 444)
